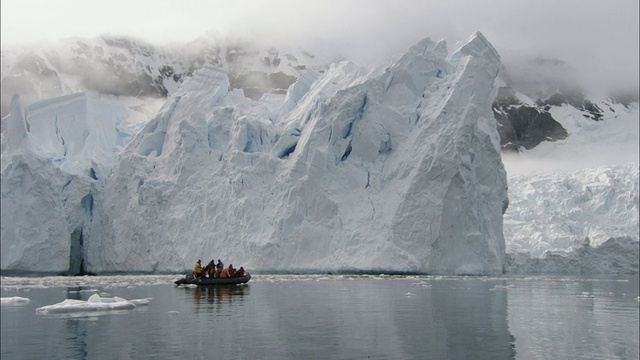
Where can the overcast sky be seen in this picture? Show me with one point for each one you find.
(599, 38)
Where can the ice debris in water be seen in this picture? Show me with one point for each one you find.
(94, 303)
(15, 300)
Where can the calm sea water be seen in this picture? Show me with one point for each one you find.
(330, 317)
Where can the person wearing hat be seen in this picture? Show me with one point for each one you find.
(220, 267)
(210, 269)
(240, 272)
(197, 269)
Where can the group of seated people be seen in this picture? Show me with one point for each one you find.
(213, 270)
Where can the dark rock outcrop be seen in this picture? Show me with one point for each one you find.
(575, 99)
(523, 126)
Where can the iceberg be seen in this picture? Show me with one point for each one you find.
(392, 170)
(396, 170)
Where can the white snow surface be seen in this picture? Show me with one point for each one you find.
(393, 170)
(614, 140)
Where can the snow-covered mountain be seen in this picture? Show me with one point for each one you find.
(142, 75)
(393, 170)
(270, 184)
(533, 103)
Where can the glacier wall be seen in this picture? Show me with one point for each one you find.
(558, 211)
(397, 169)
(393, 170)
(55, 159)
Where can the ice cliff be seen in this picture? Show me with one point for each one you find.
(392, 170)
(53, 156)
(585, 221)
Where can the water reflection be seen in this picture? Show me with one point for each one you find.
(76, 329)
(74, 293)
(384, 318)
(209, 297)
(575, 318)
(467, 317)
(341, 317)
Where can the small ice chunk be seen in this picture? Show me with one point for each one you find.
(15, 300)
(140, 302)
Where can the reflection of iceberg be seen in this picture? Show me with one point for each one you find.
(574, 317)
(386, 316)
(95, 303)
(456, 318)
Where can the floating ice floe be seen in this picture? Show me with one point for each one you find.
(505, 287)
(94, 303)
(15, 300)
(585, 295)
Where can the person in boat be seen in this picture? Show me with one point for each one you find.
(224, 273)
(197, 269)
(240, 272)
(231, 270)
(210, 269)
(220, 267)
